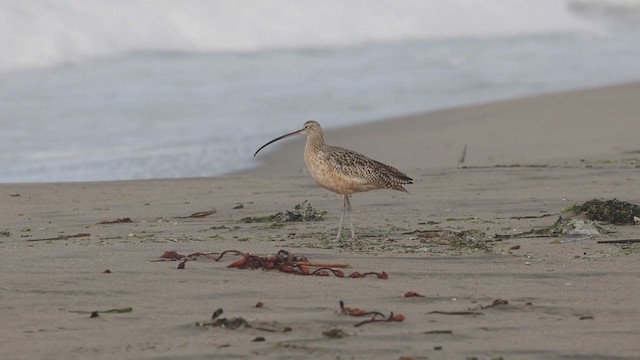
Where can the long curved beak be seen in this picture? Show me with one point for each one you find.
(276, 139)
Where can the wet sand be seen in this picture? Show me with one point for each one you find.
(526, 160)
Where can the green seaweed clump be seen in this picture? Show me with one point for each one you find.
(611, 211)
(257, 219)
(300, 212)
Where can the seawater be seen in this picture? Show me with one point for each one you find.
(138, 109)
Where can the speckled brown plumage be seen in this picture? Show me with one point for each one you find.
(344, 171)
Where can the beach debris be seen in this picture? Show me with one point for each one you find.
(390, 318)
(5, 233)
(619, 241)
(610, 211)
(198, 215)
(496, 302)
(437, 332)
(231, 323)
(576, 228)
(530, 216)
(586, 317)
(298, 265)
(241, 205)
(376, 315)
(259, 304)
(515, 247)
(14, 195)
(235, 323)
(107, 271)
(570, 228)
(412, 294)
(463, 155)
(355, 311)
(182, 264)
(472, 313)
(258, 219)
(62, 237)
(116, 221)
(174, 256)
(475, 240)
(334, 333)
(258, 339)
(282, 261)
(96, 313)
(301, 212)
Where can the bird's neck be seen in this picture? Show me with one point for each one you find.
(314, 142)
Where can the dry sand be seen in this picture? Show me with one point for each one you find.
(568, 298)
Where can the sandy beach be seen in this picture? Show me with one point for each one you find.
(455, 238)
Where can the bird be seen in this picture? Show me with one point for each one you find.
(344, 171)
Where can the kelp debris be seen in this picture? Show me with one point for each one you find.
(289, 263)
(282, 261)
(376, 315)
(437, 332)
(473, 313)
(174, 256)
(334, 333)
(199, 214)
(610, 211)
(116, 221)
(235, 323)
(231, 323)
(412, 294)
(496, 302)
(96, 313)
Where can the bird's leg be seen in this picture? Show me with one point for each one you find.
(344, 209)
(348, 207)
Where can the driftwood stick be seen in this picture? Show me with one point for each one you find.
(619, 241)
(62, 237)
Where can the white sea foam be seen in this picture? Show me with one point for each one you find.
(46, 33)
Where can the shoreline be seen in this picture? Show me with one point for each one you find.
(437, 138)
(456, 239)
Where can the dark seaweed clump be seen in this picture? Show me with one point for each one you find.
(612, 211)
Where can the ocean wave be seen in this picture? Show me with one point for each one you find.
(47, 33)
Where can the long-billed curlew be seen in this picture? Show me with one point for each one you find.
(344, 171)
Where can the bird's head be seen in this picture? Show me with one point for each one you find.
(308, 129)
